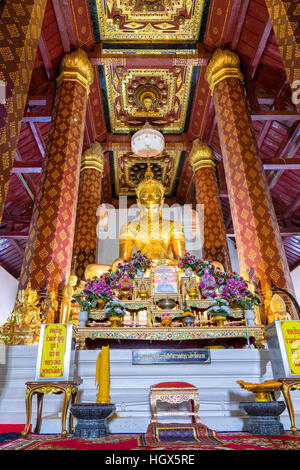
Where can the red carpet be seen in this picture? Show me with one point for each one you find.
(231, 441)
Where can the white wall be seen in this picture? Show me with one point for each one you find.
(8, 292)
(296, 281)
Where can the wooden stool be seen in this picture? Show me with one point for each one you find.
(69, 389)
(287, 386)
(175, 393)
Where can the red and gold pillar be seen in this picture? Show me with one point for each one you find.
(89, 199)
(285, 16)
(258, 238)
(48, 254)
(20, 29)
(215, 245)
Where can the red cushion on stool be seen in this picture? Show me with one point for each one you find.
(173, 385)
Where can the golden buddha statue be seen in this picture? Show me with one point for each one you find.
(65, 313)
(162, 240)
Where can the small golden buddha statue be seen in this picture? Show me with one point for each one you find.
(65, 314)
(143, 293)
(50, 306)
(278, 307)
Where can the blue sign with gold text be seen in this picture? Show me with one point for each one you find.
(171, 356)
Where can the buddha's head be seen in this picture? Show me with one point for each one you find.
(73, 280)
(150, 194)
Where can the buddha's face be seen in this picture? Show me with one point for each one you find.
(150, 200)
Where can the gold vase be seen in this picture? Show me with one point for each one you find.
(115, 321)
(220, 320)
(101, 304)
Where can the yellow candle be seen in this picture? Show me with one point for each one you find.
(102, 375)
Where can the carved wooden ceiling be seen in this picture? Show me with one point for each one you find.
(147, 20)
(160, 46)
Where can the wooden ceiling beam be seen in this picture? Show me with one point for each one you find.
(46, 57)
(281, 164)
(62, 27)
(38, 137)
(45, 114)
(288, 151)
(260, 49)
(26, 167)
(274, 115)
(17, 246)
(241, 20)
(16, 219)
(293, 207)
(14, 235)
(27, 183)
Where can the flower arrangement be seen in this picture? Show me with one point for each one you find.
(219, 307)
(115, 308)
(249, 300)
(102, 288)
(188, 261)
(140, 261)
(197, 266)
(234, 289)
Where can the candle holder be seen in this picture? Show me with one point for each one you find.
(92, 419)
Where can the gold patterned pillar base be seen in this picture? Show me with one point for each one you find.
(89, 199)
(215, 245)
(259, 244)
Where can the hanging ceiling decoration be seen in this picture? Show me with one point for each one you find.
(147, 142)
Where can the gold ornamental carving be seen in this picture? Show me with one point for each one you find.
(223, 64)
(201, 155)
(93, 158)
(76, 67)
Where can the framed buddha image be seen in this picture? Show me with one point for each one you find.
(165, 280)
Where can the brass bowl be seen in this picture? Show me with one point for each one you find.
(166, 304)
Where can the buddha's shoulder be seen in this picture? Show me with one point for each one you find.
(177, 226)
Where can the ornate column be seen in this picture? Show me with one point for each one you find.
(20, 29)
(284, 16)
(89, 199)
(215, 246)
(258, 238)
(48, 254)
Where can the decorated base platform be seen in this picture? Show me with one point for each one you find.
(219, 392)
(156, 334)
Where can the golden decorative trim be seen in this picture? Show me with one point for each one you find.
(169, 334)
(223, 64)
(119, 19)
(93, 158)
(201, 155)
(76, 67)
